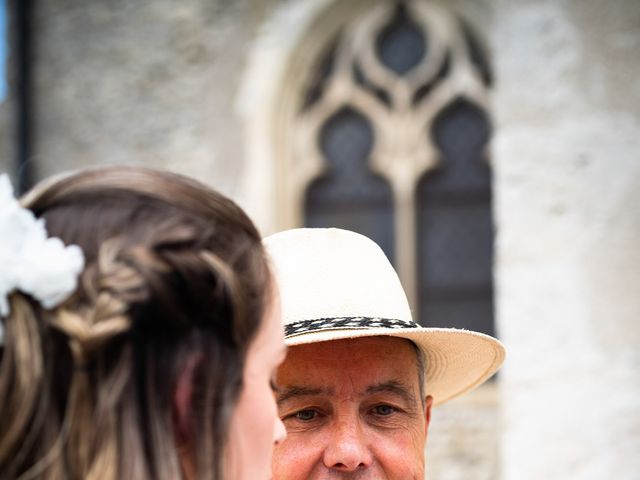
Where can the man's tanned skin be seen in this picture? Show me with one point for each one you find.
(353, 410)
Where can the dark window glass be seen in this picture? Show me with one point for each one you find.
(321, 75)
(349, 195)
(455, 229)
(401, 45)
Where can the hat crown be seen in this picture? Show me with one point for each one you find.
(336, 284)
(334, 273)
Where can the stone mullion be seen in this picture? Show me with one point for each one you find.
(405, 240)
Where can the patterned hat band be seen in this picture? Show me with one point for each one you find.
(344, 323)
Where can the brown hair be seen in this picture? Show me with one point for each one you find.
(173, 272)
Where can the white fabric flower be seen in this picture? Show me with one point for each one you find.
(30, 262)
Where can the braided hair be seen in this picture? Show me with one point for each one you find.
(174, 271)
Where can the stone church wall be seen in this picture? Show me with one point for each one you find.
(568, 220)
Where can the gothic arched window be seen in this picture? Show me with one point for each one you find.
(389, 140)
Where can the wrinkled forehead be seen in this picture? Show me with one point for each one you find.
(365, 356)
(356, 345)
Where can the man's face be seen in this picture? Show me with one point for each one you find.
(352, 410)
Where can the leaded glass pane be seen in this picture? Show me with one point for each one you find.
(320, 76)
(468, 313)
(455, 229)
(346, 140)
(350, 195)
(401, 45)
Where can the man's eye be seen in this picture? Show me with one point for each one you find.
(306, 415)
(384, 410)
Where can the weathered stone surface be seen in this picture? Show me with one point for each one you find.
(142, 82)
(568, 218)
(464, 437)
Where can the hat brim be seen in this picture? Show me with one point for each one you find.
(456, 360)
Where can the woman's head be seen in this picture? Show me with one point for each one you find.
(136, 375)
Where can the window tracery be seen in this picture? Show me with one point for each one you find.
(389, 138)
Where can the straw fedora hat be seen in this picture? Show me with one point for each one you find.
(337, 284)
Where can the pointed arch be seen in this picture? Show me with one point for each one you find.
(394, 69)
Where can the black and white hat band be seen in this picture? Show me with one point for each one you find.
(344, 323)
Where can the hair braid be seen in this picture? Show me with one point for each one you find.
(174, 272)
(114, 283)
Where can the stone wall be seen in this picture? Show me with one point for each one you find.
(568, 220)
(142, 82)
(463, 440)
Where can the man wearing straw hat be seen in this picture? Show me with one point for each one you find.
(356, 390)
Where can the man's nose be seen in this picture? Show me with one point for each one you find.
(348, 448)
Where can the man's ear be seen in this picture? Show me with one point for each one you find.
(428, 403)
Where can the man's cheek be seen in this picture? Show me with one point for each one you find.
(293, 459)
(401, 457)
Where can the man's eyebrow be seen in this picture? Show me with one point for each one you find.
(294, 391)
(393, 387)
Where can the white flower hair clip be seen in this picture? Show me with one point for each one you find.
(31, 262)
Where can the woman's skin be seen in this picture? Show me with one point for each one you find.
(255, 426)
